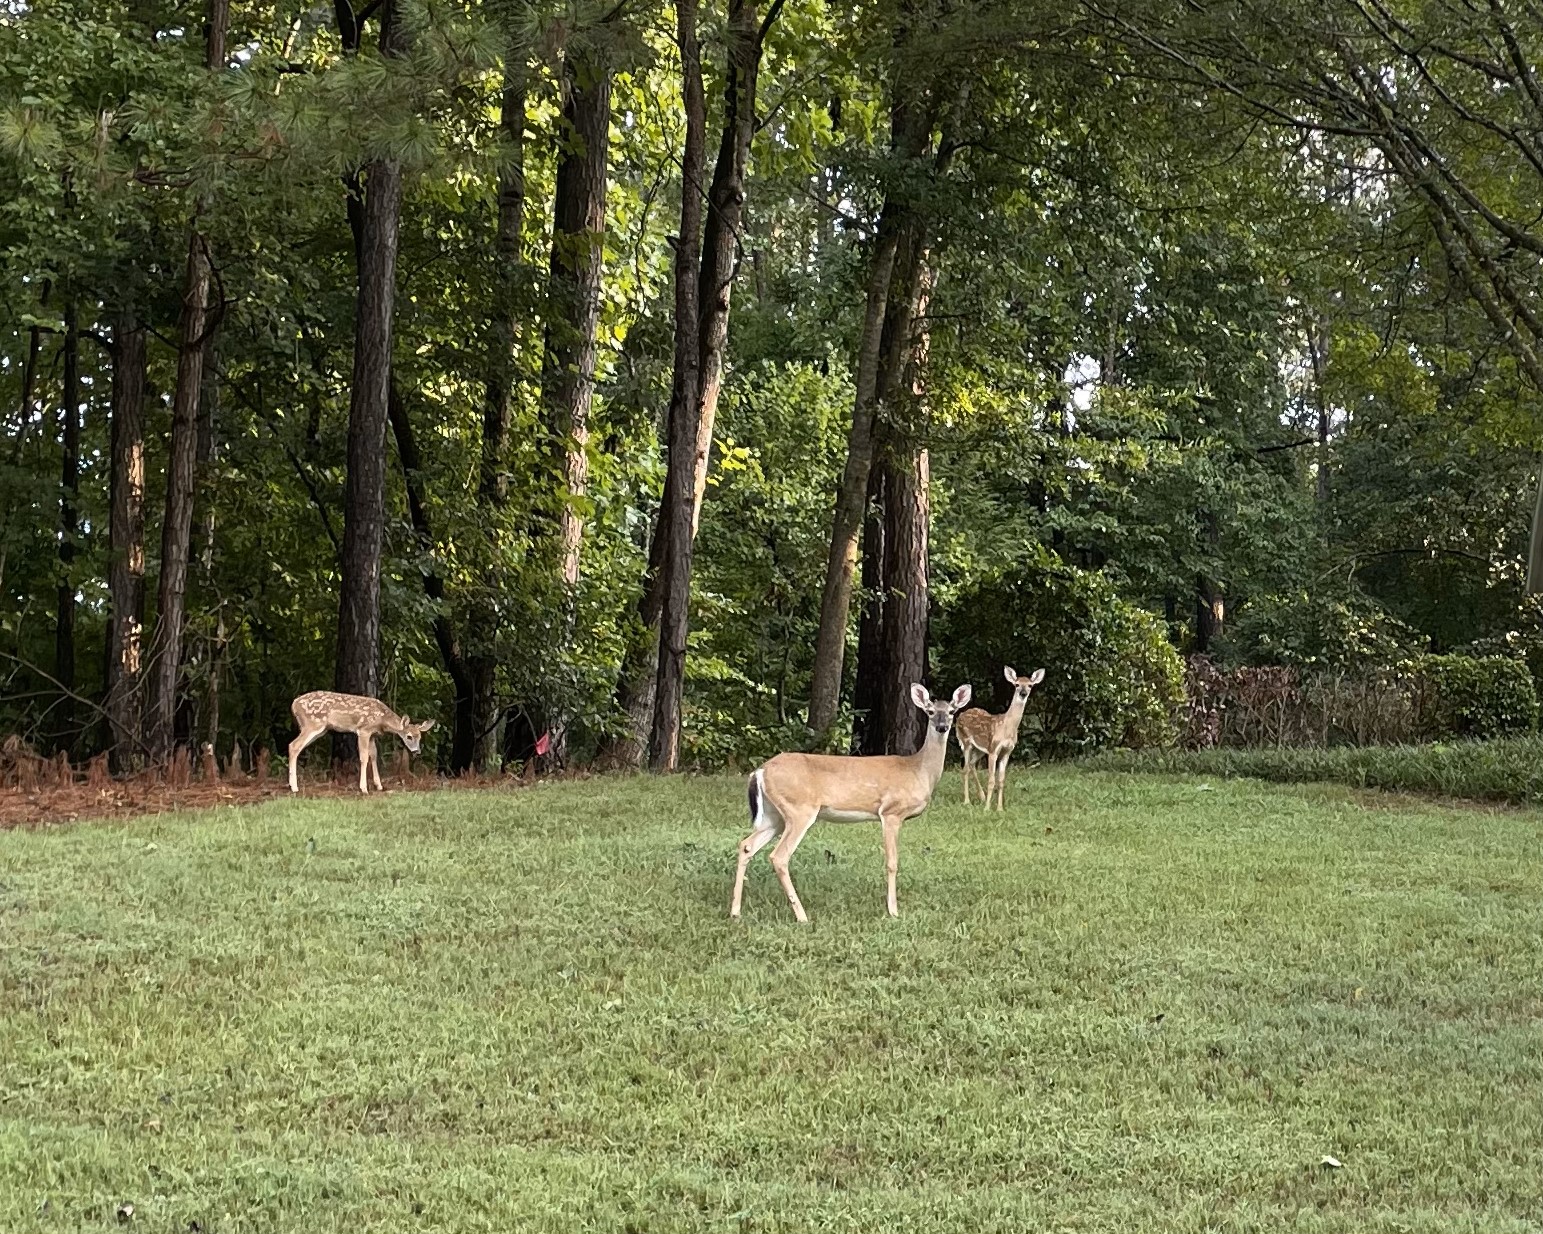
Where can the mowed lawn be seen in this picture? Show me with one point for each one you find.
(1127, 1004)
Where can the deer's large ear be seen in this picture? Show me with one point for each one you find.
(1011, 674)
(425, 725)
(1037, 676)
(920, 697)
(962, 696)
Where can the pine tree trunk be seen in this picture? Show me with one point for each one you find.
(576, 268)
(165, 658)
(638, 681)
(213, 651)
(376, 221)
(884, 356)
(481, 708)
(867, 692)
(896, 624)
(69, 525)
(906, 518)
(364, 501)
(852, 491)
(720, 244)
(1210, 607)
(126, 541)
(674, 529)
(464, 732)
(1318, 351)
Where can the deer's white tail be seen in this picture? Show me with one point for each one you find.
(757, 797)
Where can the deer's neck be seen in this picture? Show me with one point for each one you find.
(931, 756)
(1013, 716)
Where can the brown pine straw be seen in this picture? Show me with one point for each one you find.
(36, 791)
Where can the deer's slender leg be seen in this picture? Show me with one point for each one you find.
(308, 734)
(375, 767)
(966, 748)
(1002, 777)
(792, 833)
(366, 751)
(983, 779)
(748, 848)
(891, 825)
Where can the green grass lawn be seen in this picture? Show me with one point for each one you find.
(527, 1010)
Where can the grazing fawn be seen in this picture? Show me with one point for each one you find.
(790, 792)
(365, 718)
(980, 732)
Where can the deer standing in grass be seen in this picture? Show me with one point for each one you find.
(366, 718)
(791, 792)
(996, 737)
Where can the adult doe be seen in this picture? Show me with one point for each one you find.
(790, 792)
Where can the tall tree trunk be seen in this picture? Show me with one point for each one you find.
(674, 528)
(464, 730)
(177, 521)
(177, 525)
(481, 710)
(638, 681)
(377, 229)
(897, 626)
(725, 218)
(1210, 606)
(907, 513)
(69, 523)
(912, 114)
(213, 651)
(126, 540)
(1318, 351)
(867, 695)
(576, 268)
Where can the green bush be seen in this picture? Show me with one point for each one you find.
(1479, 696)
(1508, 769)
(1522, 641)
(1111, 676)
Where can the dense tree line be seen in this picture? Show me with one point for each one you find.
(686, 380)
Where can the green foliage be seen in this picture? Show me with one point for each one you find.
(1479, 696)
(1506, 769)
(480, 1011)
(1320, 629)
(1111, 676)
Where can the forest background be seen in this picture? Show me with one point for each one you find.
(684, 381)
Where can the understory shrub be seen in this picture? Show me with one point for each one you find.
(1111, 676)
(1423, 699)
(1506, 769)
(1479, 696)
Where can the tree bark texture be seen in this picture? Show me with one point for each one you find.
(574, 283)
(911, 122)
(364, 502)
(69, 523)
(466, 731)
(638, 681)
(126, 541)
(165, 658)
(897, 621)
(675, 522)
(377, 222)
(472, 735)
(725, 219)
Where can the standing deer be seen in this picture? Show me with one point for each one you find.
(790, 792)
(365, 718)
(980, 732)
